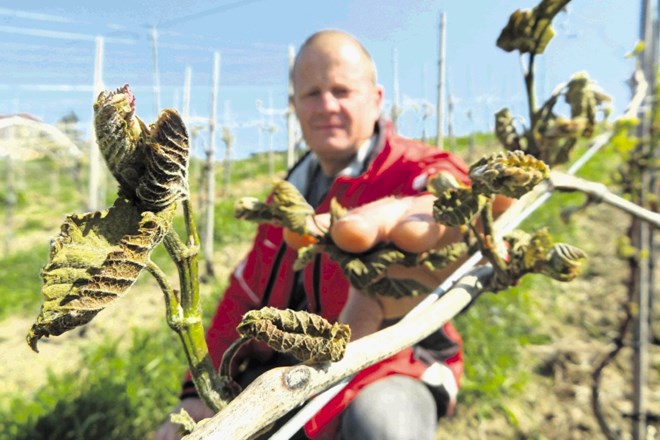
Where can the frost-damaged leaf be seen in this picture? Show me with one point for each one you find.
(437, 259)
(251, 209)
(287, 208)
(564, 262)
(363, 269)
(530, 30)
(291, 207)
(166, 177)
(305, 336)
(306, 255)
(121, 137)
(94, 260)
(537, 253)
(457, 206)
(585, 98)
(397, 288)
(150, 164)
(442, 182)
(512, 173)
(506, 132)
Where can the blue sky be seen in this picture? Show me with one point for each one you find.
(48, 54)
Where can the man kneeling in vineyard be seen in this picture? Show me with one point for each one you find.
(356, 158)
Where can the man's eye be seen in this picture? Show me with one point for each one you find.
(340, 93)
(313, 93)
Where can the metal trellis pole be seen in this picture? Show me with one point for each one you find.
(441, 80)
(210, 171)
(94, 153)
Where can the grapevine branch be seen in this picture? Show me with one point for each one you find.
(280, 390)
(598, 192)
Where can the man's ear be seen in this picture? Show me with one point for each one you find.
(380, 91)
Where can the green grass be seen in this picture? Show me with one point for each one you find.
(120, 394)
(20, 289)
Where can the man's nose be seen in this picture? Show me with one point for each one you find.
(329, 102)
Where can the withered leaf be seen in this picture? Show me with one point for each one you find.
(536, 253)
(150, 164)
(290, 207)
(166, 178)
(121, 137)
(363, 269)
(397, 288)
(442, 182)
(437, 259)
(506, 132)
(530, 30)
(511, 173)
(250, 208)
(306, 255)
(457, 206)
(305, 336)
(94, 260)
(564, 262)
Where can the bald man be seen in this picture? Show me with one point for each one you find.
(354, 156)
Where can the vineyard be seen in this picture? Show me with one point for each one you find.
(544, 359)
(531, 351)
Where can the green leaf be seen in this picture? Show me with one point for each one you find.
(94, 260)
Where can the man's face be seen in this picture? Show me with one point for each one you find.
(336, 101)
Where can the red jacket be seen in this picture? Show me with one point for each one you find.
(265, 276)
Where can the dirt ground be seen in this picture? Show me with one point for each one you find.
(557, 402)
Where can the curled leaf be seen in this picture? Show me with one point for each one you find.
(443, 181)
(337, 211)
(166, 178)
(287, 208)
(185, 421)
(530, 30)
(290, 207)
(506, 132)
(150, 164)
(437, 259)
(306, 255)
(94, 260)
(512, 174)
(536, 253)
(121, 137)
(564, 262)
(305, 336)
(397, 288)
(363, 269)
(250, 208)
(456, 207)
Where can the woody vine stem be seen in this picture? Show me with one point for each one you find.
(184, 314)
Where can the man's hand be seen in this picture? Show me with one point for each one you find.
(408, 223)
(193, 406)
